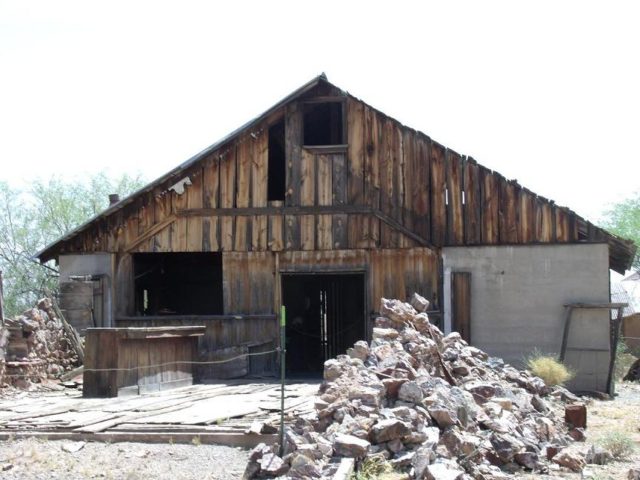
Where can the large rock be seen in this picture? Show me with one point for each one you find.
(400, 313)
(350, 446)
(572, 461)
(420, 303)
(272, 465)
(443, 470)
(390, 429)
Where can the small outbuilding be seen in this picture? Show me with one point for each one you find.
(325, 204)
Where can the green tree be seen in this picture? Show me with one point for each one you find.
(31, 219)
(623, 219)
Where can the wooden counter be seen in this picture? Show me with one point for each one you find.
(139, 360)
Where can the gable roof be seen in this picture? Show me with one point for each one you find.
(621, 251)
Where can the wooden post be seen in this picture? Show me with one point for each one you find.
(1, 301)
(283, 351)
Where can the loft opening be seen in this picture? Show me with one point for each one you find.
(325, 316)
(276, 185)
(323, 123)
(178, 283)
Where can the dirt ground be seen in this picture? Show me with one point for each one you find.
(604, 417)
(42, 459)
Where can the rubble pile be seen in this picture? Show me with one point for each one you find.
(36, 347)
(427, 404)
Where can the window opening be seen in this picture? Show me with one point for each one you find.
(277, 166)
(178, 283)
(323, 124)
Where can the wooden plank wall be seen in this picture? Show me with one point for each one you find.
(255, 333)
(391, 273)
(441, 196)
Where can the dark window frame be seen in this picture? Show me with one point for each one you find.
(343, 118)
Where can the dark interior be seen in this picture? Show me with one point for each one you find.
(323, 124)
(277, 173)
(325, 316)
(178, 283)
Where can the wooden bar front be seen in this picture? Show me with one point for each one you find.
(139, 360)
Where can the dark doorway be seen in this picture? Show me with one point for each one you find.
(325, 316)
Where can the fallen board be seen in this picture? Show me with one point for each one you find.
(214, 413)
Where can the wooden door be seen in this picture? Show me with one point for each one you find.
(461, 304)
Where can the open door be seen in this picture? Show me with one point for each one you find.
(325, 316)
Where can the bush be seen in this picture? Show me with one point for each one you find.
(549, 369)
(624, 360)
(620, 444)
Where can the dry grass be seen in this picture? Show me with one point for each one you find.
(619, 443)
(549, 369)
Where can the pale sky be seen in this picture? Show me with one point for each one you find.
(544, 92)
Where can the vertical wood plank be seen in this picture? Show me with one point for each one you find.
(244, 153)
(355, 135)
(324, 192)
(339, 179)
(508, 211)
(292, 232)
(410, 171)
(438, 187)
(307, 198)
(211, 193)
(372, 141)
(420, 180)
(259, 157)
(227, 196)
(179, 227)
(472, 204)
(293, 148)
(195, 197)
(527, 223)
(490, 198)
(455, 217)
(339, 231)
(276, 232)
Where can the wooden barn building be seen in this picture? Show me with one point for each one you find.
(325, 204)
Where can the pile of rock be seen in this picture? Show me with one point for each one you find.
(426, 404)
(36, 347)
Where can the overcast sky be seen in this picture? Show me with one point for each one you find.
(544, 92)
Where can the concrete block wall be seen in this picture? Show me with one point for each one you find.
(518, 295)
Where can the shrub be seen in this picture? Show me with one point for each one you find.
(620, 444)
(549, 369)
(372, 468)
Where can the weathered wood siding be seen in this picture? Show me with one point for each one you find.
(389, 187)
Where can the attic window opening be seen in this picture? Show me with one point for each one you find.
(277, 166)
(323, 123)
